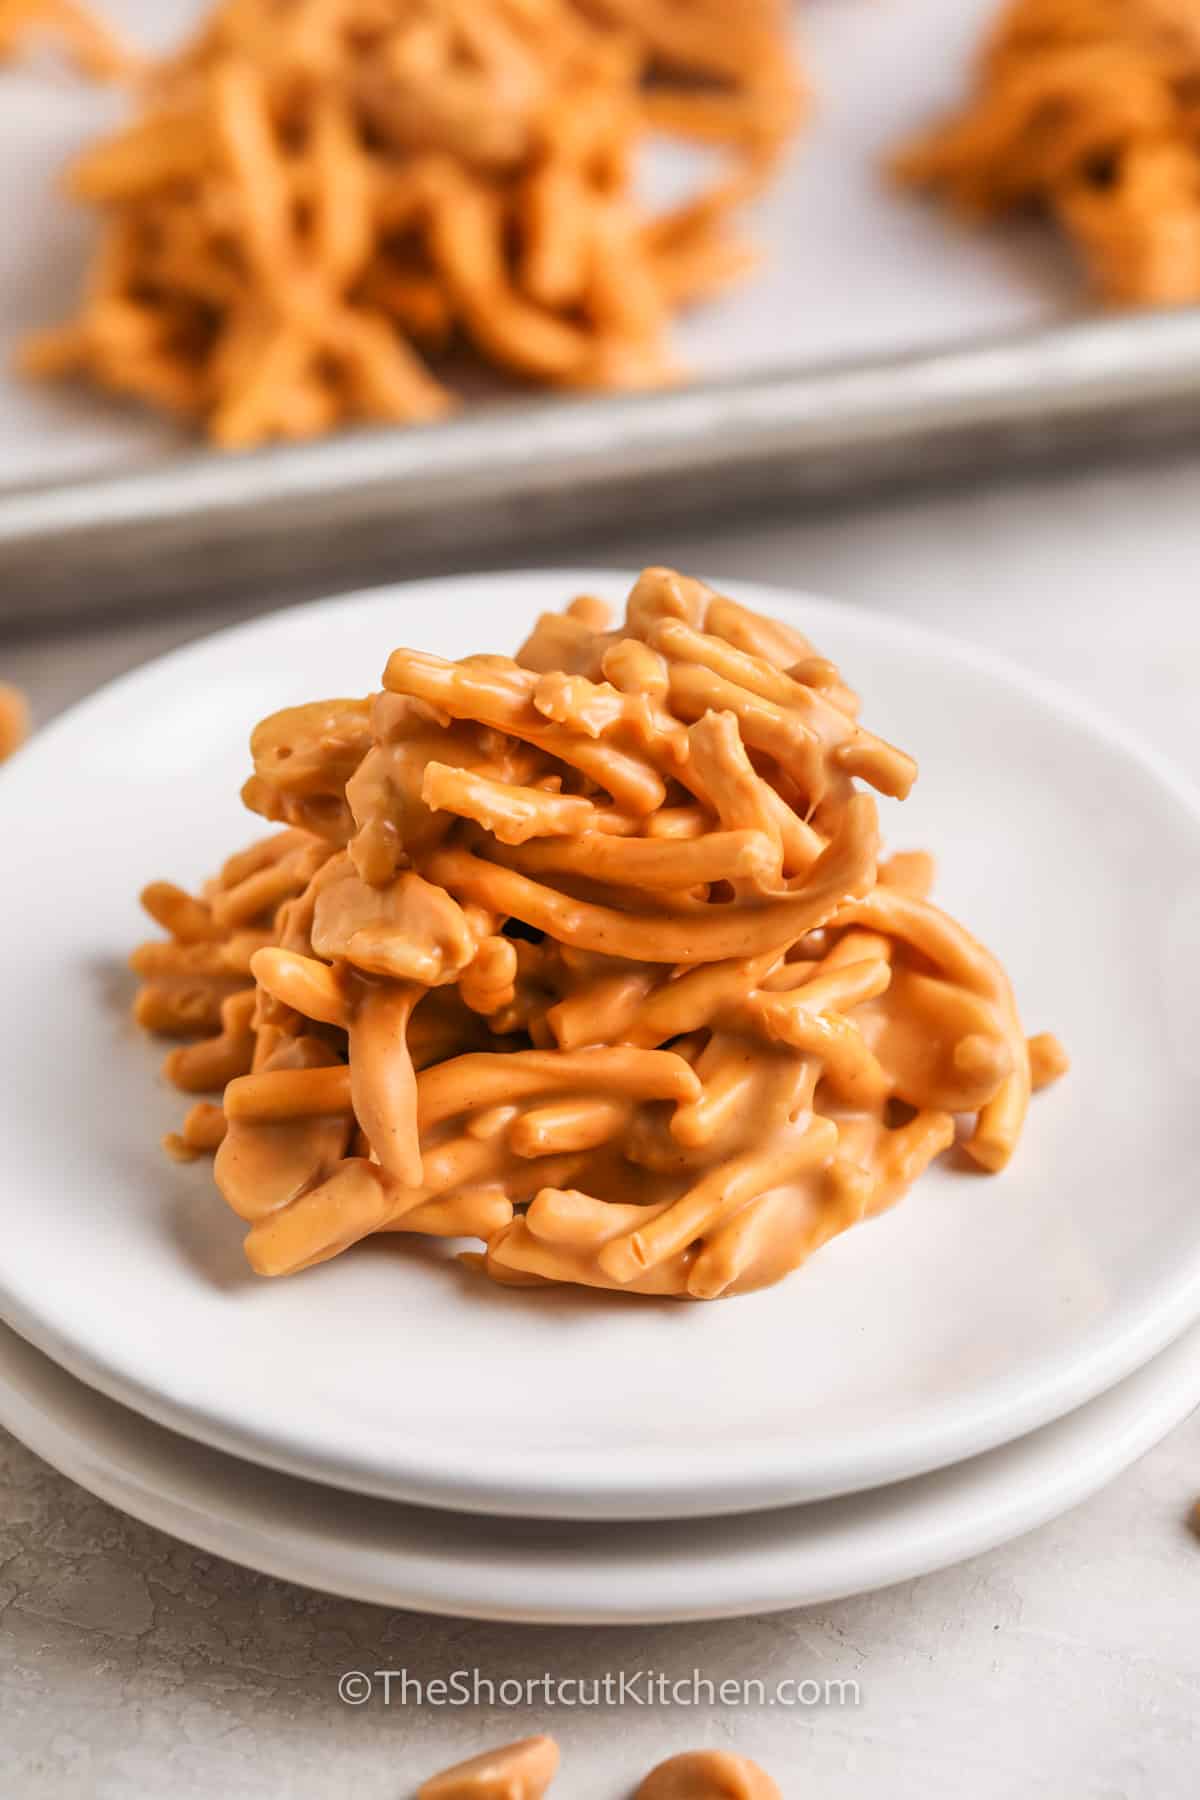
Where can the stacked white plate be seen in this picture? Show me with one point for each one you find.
(388, 1426)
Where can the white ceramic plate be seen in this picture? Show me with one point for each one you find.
(975, 1311)
(548, 1572)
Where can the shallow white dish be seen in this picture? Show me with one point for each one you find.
(548, 1572)
(974, 1312)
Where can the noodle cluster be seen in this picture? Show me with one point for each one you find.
(588, 955)
(319, 200)
(1090, 111)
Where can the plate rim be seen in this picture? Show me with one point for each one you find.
(581, 1485)
(297, 1530)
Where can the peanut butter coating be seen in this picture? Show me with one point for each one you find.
(590, 955)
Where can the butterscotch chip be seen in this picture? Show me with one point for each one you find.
(520, 1771)
(708, 1775)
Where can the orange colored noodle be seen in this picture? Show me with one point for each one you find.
(315, 199)
(589, 955)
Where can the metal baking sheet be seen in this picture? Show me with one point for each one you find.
(877, 345)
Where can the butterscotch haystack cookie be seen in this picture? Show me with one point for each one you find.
(317, 199)
(587, 954)
(14, 719)
(1088, 110)
(708, 1775)
(521, 1771)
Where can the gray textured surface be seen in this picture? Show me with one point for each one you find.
(1065, 1666)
